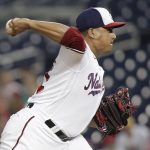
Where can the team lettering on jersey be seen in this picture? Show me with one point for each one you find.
(94, 86)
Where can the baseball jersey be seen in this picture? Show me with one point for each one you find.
(72, 90)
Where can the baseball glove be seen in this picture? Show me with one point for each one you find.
(113, 112)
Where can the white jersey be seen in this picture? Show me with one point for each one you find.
(71, 91)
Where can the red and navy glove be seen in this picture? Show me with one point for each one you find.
(113, 112)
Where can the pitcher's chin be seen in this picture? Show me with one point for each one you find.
(108, 49)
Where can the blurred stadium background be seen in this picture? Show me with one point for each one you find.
(26, 57)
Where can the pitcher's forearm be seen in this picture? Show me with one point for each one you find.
(54, 31)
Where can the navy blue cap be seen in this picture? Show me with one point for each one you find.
(96, 17)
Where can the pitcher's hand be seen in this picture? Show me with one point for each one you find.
(17, 25)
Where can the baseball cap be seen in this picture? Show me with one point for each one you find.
(95, 17)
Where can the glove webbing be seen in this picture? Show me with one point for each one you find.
(113, 123)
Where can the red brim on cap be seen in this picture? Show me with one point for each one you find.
(115, 25)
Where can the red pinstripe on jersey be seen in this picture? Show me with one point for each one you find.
(22, 132)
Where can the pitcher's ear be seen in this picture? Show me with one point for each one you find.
(91, 33)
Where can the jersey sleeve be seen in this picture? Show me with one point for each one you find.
(74, 39)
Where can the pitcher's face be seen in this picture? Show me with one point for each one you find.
(103, 41)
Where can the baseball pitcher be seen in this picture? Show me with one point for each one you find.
(71, 95)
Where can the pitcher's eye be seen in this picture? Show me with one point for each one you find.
(110, 30)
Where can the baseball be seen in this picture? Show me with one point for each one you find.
(9, 30)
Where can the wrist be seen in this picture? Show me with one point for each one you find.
(27, 22)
